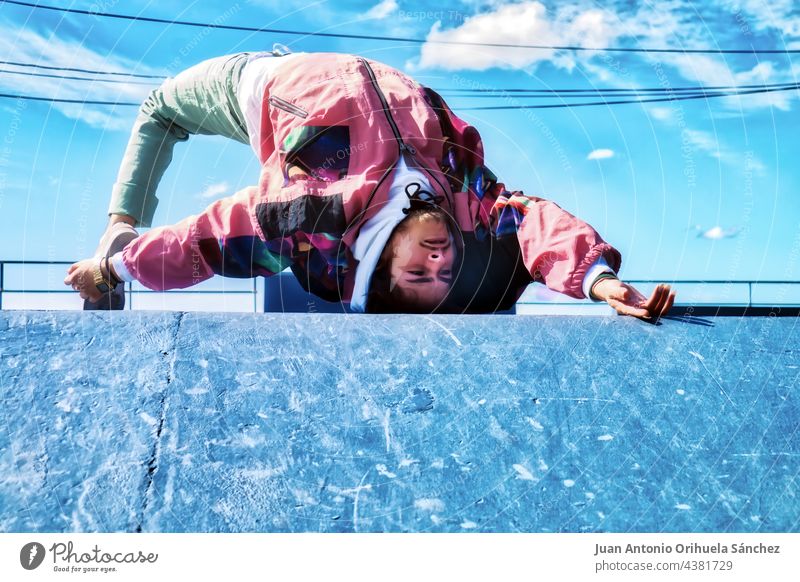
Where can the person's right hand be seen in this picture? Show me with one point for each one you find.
(80, 276)
(626, 300)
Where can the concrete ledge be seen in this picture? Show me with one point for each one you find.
(140, 421)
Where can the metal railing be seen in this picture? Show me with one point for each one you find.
(130, 291)
(280, 294)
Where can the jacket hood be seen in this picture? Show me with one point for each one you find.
(376, 231)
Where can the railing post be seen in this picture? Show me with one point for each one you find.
(2, 265)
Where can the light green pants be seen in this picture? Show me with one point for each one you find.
(202, 100)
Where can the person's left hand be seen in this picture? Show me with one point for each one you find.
(80, 276)
(628, 301)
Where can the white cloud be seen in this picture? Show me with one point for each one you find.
(524, 23)
(709, 144)
(683, 24)
(703, 141)
(600, 154)
(214, 191)
(25, 45)
(382, 10)
(716, 232)
(713, 71)
(661, 113)
(779, 15)
(667, 23)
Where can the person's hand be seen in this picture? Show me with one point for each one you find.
(80, 276)
(628, 301)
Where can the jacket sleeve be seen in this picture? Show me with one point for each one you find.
(557, 248)
(222, 240)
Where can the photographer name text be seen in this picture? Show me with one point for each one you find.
(690, 548)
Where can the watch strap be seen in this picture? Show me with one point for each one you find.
(600, 277)
(103, 285)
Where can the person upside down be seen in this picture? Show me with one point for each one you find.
(372, 191)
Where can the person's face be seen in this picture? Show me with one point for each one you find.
(422, 267)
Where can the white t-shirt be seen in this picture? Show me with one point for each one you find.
(375, 232)
(252, 84)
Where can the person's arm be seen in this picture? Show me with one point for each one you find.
(569, 256)
(222, 240)
(558, 249)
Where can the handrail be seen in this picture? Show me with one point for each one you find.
(254, 291)
(129, 290)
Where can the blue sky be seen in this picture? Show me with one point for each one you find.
(650, 178)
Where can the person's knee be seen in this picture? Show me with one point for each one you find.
(117, 218)
(153, 102)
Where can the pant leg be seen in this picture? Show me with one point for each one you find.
(201, 100)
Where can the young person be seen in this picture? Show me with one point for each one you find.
(371, 190)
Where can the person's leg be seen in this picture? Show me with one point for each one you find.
(121, 218)
(201, 100)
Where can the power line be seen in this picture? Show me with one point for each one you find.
(614, 93)
(624, 102)
(704, 95)
(394, 38)
(71, 78)
(527, 96)
(449, 92)
(79, 101)
(698, 88)
(51, 68)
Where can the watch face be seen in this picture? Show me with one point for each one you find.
(103, 288)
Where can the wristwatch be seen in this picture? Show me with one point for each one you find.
(103, 285)
(600, 277)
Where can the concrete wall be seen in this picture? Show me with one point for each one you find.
(140, 421)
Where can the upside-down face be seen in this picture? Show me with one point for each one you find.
(422, 264)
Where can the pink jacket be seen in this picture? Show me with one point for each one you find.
(347, 120)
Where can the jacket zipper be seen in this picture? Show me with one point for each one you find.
(288, 107)
(404, 147)
(401, 144)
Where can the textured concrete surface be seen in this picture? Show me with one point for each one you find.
(311, 422)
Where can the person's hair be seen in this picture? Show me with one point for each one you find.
(385, 298)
